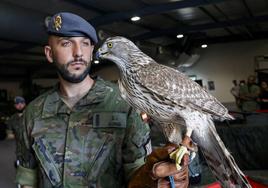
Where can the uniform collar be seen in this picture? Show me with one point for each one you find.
(53, 104)
(95, 95)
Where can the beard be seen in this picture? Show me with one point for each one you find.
(73, 78)
(19, 111)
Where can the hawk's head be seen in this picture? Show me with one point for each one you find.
(121, 51)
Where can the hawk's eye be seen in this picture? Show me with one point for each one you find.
(110, 45)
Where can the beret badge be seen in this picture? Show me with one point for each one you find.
(57, 22)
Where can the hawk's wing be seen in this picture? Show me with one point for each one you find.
(176, 87)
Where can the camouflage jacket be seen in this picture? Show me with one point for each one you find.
(98, 143)
(14, 125)
(249, 97)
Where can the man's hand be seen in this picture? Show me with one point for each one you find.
(158, 166)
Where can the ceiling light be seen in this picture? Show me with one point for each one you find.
(135, 18)
(179, 36)
(204, 45)
(96, 62)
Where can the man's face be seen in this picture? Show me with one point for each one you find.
(20, 106)
(251, 79)
(72, 56)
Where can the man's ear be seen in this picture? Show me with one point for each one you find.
(48, 53)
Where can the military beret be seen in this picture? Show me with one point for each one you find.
(19, 99)
(71, 25)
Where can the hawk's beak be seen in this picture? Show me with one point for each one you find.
(100, 53)
(97, 54)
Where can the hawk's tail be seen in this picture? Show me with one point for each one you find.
(220, 161)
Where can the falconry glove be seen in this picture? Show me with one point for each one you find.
(158, 166)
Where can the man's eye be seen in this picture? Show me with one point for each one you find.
(65, 43)
(86, 43)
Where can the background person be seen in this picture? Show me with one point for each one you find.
(264, 95)
(14, 125)
(235, 92)
(249, 94)
(15, 128)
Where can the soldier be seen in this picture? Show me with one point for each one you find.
(81, 133)
(14, 125)
(249, 95)
(14, 128)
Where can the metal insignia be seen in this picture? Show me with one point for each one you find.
(57, 22)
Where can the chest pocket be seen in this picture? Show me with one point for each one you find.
(109, 120)
(109, 127)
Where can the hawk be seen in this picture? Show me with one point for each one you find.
(169, 96)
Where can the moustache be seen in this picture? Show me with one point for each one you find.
(80, 60)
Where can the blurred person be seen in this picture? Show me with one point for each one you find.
(249, 94)
(14, 124)
(15, 128)
(263, 95)
(235, 92)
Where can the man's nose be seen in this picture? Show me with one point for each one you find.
(77, 51)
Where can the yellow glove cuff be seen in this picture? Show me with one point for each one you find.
(178, 154)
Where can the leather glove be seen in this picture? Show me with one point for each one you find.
(158, 166)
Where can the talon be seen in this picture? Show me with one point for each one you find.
(178, 154)
(187, 146)
(187, 142)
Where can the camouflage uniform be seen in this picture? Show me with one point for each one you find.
(14, 125)
(251, 93)
(98, 143)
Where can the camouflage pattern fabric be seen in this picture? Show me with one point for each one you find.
(14, 125)
(251, 94)
(98, 143)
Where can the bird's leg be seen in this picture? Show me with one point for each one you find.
(179, 153)
(189, 132)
